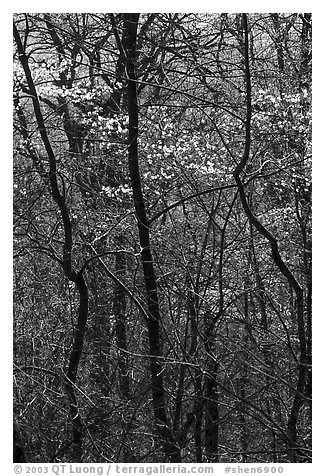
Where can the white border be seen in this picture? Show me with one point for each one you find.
(7, 9)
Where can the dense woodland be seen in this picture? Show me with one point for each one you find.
(162, 237)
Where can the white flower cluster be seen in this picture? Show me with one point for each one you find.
(118, 193)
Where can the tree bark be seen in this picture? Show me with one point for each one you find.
(171, 448)
(299, 396)
(76, 277)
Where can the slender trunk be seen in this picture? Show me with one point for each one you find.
(76, 277)
(305, 61)
(71, 375)
(198, 415)
(212, 414)
(211, 394)
(299, 396)
(244, 380)
(163, 427)
(119, 309)
(193, 305)
(18, 446)
(304, 84)
(269, 381)
(278, 42)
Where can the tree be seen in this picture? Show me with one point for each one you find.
(162, 163)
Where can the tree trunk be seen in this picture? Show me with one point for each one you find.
(18, 446)
(119, 310)
(71, 375)
(212, 415)
(283, 268)
(172, 450)
(76, 277)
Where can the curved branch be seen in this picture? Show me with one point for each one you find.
(55, 191)
(190, 197)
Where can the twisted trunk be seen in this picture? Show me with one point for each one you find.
(299, 396)
(76, 277)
